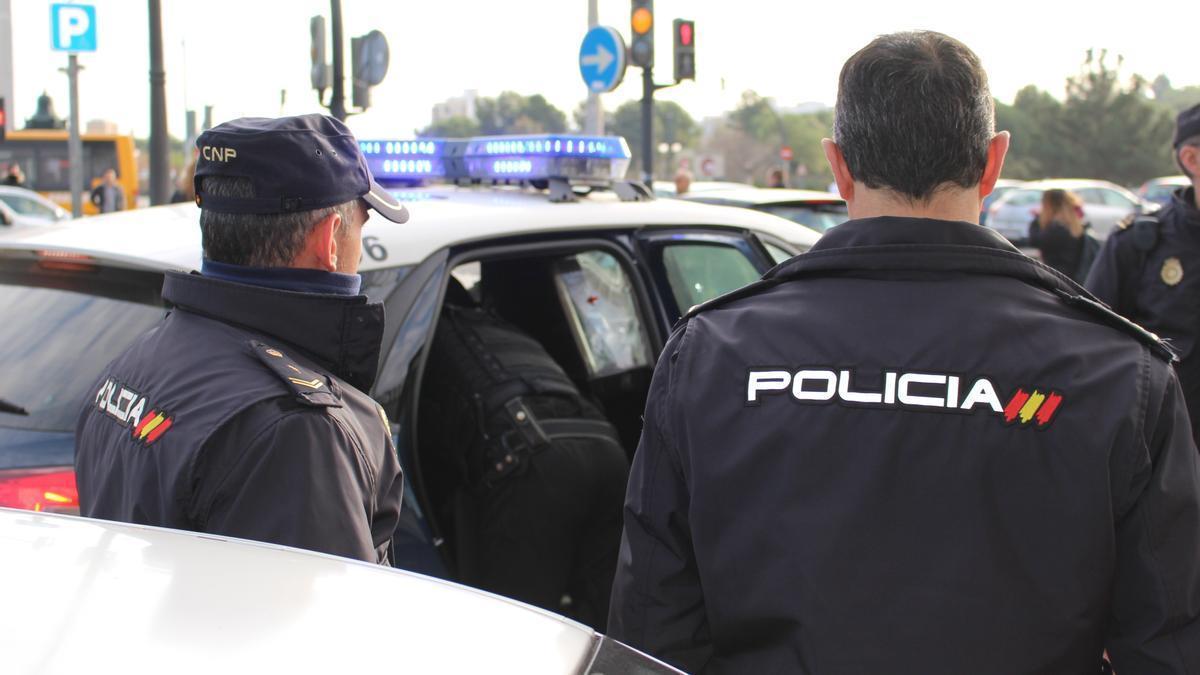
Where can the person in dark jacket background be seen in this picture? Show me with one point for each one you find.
(1060, 234)
(1149, 269)
(912, 449)
(244, 412)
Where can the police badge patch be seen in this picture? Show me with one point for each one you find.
(1172, 271)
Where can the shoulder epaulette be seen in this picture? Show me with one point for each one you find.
(308, 385)
(1143, 228)
(1110, 318)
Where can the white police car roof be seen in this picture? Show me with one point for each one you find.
(753, 196)
(168, 237)
(83, 595)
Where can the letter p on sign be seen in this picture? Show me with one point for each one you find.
(73, 28)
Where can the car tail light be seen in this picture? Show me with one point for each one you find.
(43, 489)
(66, 261)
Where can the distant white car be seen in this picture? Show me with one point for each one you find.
(1104, 205)
(22, 208)
(90, 596)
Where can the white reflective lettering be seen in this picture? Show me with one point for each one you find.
(889, 388)
(766, 380)
(982, 392)
(135, 415)
(919, 378)
(124, 401)
(855, 396)
(102, 395)
(801, 394)
(952, 391)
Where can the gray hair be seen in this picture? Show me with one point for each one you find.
(257, 240)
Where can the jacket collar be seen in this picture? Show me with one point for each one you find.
(1185, 200)
(342, 333)
(890, 243)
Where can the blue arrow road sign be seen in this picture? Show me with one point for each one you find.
(73, 28)
(602, 59)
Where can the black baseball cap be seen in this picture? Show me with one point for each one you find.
(1187, 125)
(297, 163)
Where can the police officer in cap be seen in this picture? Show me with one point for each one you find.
(913, 449)
(243, 413)
(1149, 269)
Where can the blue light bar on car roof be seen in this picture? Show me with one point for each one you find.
(502, 158)
(405, 161)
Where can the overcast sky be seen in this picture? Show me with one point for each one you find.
(238, 54)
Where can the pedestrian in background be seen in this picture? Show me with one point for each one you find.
(244, 412)
(14, 176)
(683, 182)
(912, 450)
(108, 195)
(1061, 235)
(1149, 269)
(775, 178)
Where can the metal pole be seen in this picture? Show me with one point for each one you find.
(594, 120)
(74, 143)
(160, 151)
(6, 62)
(647, 125)
(337, 102)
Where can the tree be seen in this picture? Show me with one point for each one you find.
(757, 118)
(672, 124)
(453, 127)
(512, 113)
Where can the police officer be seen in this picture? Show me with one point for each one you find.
(1149, 269)
(243, 413)
(913, 449)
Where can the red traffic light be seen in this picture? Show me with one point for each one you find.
(686, 33)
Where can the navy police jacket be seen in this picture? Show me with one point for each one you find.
(1149, 272)
(242, 414)
(912, 450)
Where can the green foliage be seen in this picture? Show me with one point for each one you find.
(1102, 129)
(453, 127)
(508, 113)
(512, 113)
(672, 124)
(755, 117)
(1175, 100)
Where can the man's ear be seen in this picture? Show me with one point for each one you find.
(997, 150)
(1189, 159)
(321, 245)
(841, 172)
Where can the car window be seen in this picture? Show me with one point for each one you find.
(698, 272)
(1114, 198)
(28, 207)
(777, 254)
(598, 297)
(1023, 198)
(54, 343)
(819, 217)
(1094, 196)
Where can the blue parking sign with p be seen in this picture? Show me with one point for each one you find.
(73, 28)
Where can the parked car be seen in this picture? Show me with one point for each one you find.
(90, 596)
(1104, 205)
(815, 210)
(1003, 187)
(598, 276)
(24, 208)
(1159, 190)
(666, 188)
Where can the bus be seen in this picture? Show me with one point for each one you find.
(42, 156)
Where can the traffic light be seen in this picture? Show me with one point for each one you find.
(641, 23)
(368, 66)
(3, 119)
(320, 73)
(685, 49)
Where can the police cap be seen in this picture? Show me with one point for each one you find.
(297, 163)
(1187, 125)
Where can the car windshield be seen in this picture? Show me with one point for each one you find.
(819, 217)
(58, 330)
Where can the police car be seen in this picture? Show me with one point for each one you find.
(92, 596)
(541, 227)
